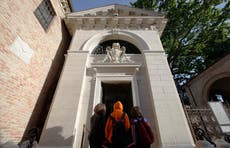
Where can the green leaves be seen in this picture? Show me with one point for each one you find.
(145, 4)
(196, 35)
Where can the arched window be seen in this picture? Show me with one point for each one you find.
(220, 92)
(130, 48)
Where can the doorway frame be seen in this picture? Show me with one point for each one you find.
(116, 79)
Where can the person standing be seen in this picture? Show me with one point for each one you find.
(97, 126)
(142, 134)
(117, 126)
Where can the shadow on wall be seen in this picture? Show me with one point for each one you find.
(44, 100)
(6, 144)
(56, 137)
(9, 144)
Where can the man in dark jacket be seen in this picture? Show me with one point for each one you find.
(97, 126)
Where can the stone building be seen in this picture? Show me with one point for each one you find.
(33, 42)
(114, 53)
(209, 94)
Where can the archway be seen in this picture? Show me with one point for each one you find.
(220, 91)
(124, 86)
(130, 37)
(206, 88)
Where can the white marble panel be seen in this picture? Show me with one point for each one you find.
(22, 50)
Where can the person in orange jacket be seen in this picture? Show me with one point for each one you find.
(117, 115)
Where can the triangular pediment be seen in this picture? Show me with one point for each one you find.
(116, 16)
(116, 10)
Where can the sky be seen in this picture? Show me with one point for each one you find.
(79, 5)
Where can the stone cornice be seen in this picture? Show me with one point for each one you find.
(117, 9)
(115, 17)
(115, 22)
(150, 17)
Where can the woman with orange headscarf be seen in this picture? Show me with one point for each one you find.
(118, 115)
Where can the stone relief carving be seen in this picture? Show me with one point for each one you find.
(116, 54)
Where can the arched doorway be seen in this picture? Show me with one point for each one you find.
(115, 89)
(220, 91)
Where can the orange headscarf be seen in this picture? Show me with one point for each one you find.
(117, 113)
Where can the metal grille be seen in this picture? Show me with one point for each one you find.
(130, 48)
(45, 13)
(204, 119)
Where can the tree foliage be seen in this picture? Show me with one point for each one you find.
(196, 35)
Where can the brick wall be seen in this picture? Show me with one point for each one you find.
(23, 85)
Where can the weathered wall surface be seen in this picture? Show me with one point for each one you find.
(23, 77)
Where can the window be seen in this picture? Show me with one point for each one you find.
(130, 48)
(44, 13)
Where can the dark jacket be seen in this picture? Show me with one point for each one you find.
(97, 134)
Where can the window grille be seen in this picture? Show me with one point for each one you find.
(130, 48)
(45, 13)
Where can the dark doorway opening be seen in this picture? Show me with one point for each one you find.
(117, 92)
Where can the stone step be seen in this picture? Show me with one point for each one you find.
(220, 143)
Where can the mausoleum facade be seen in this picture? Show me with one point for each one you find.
(115, 54)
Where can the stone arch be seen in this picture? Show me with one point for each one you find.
(210, 82)
(220, 91)
(130, 37)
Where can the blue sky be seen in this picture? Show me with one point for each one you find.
(79, 5)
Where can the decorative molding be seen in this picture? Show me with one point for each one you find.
(111, 65)
(116, 16)
(105, 22)
(66, 6)
(78, 51)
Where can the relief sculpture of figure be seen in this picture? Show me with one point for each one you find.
(116, 54)
(124, 57)
(109, 55)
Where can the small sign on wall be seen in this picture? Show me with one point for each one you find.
(22, 50)
(221, 116)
